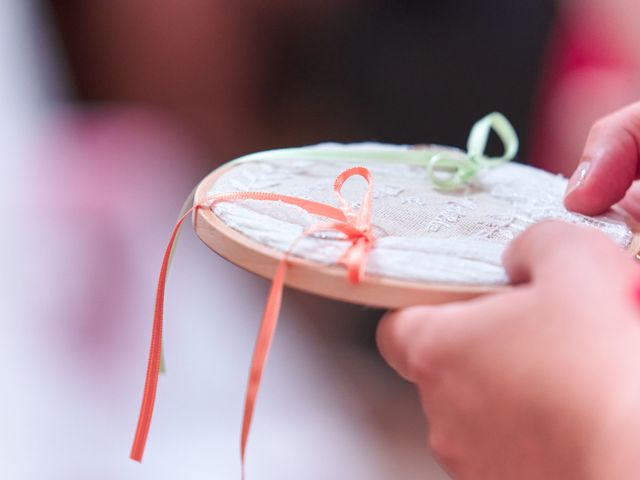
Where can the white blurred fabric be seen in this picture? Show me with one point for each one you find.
(422, 233)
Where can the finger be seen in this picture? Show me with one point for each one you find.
(405, 338)
(609, 163)
(399, 336)
(415, 341)
(555, 248)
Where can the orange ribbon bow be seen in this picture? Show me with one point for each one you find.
(356, 228)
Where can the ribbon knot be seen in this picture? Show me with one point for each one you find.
(356, 226)
(449, 171)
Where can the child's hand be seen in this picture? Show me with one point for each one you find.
(542, 382)
(609, 165)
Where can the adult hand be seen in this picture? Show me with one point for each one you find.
(541, 382)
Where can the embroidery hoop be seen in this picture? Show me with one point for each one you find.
(372, 290)
(330, 280)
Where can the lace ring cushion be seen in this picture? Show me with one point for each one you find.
(431, 246)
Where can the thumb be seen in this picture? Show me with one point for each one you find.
(609, 163)
(399, 338)
(412, 339)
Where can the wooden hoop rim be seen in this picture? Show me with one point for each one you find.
(324, 280)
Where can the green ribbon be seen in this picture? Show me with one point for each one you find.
(449, 171)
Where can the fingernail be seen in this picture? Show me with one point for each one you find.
(578, 177)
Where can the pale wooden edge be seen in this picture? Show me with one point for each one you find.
(313, 277)
(331, 281)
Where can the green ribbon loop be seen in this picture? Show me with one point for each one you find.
(449, 171)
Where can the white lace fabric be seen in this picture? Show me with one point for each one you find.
(422, 234)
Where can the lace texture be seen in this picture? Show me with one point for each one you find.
(422, 234)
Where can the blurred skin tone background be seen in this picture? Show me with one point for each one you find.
(113, 111)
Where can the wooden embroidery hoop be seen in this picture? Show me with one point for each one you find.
(328, 280)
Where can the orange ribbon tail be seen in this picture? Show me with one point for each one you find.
(356, 228)
(153, 364)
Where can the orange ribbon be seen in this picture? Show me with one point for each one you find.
(356, 228)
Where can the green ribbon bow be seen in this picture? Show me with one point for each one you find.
(448, 171)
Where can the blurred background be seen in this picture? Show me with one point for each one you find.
(112, 112)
